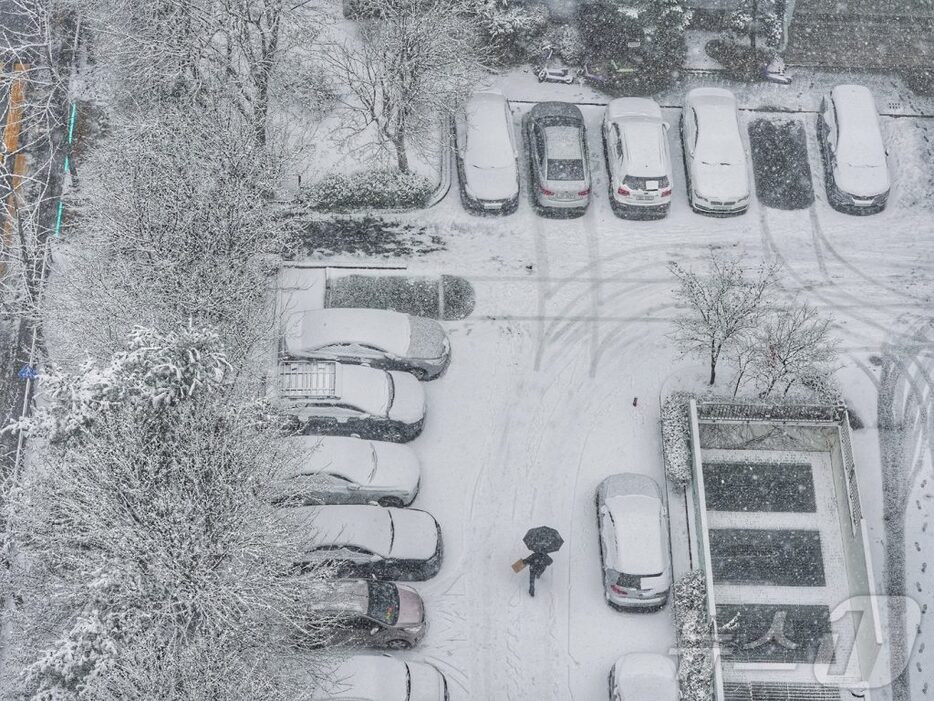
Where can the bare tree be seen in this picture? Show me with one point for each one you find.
(721, 304)
(410, 65)
(793, 344)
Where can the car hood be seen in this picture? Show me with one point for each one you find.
(720, 182)
(491, 183)
(427, 682)
(411, 608)
(408, 402)
(416, 534)
(862, 181)
(396, 467)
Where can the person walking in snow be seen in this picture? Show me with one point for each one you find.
(538, 563)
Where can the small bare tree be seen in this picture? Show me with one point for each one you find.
(721, 304)
(410, 65)
(793, 344)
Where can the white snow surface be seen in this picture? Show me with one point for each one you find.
(557, 376)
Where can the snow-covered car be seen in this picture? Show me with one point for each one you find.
(635, 142)
(346, 470)
(556, 142)
(644, 676)
(383, 678)
(634, 543)
(369, 613)
(328, 397)
(714, 152)
(369, 541)
(857, 173)
(376, 337)
(487, 157)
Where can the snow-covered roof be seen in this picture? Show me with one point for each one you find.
(349, 596)
(364, 388)
(367, 527)
(644, 675)
(367, 677)
(488, 140)
(637, 518)
(353, 458)
(561, 110)
(563, 143)
(377, 328)
(861, 143)
(644, 141)
(719, 141)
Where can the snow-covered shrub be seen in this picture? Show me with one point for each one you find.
(695, 637)
(156, 371)
(379, 189)
(567, 41)
(676, 440)
(757, 21)
(512, 31)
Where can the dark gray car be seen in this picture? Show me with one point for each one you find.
(559, 167)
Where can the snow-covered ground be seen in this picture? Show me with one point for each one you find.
(571, 327)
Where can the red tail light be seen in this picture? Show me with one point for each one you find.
(623, 190)
(666, 192)
(545, 191)
(618, 590)
(584, 193)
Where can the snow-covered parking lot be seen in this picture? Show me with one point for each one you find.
(570, 327)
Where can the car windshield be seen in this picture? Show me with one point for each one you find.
(637, 183)
(565, 169)
(383, 603)
(633, 581)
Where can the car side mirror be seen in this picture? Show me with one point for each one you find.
(667, 125)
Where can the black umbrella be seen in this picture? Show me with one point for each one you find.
(543, 539)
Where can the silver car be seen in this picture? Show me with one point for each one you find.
(370, 613)
(634, 543)
(559, 166)
(376, 337)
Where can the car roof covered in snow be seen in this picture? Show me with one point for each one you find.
(646, 675)
(352, 458)
(645, 147)
(635, 506)
(557, 110)
(377, 328)
(343, 596)
(362, 526)
(563, 143)
(719, 141)
(861, 141)
(367, 678)
(489, 144)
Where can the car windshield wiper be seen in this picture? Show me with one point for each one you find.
(392, 530)
(392, 391)
(375, 458)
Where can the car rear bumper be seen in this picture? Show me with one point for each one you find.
(640, 209)
(626, 602)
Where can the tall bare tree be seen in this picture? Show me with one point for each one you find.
(720, 304)
(410, 65)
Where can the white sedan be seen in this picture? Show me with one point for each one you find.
(335, 398)
(644, 676)
(377, 337)
(635, 141)
(369, 541)
(714, 153)
(383, 678)
(345, 470)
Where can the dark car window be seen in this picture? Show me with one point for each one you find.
(565, 169)
(636, 183)
(632, 581)
(384, 602)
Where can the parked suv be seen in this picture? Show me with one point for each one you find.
(559, 165)
(369, 541)
(635, 142)
(487, 157)
(336, 398)
(370, 613)
(857, 174)
(634, 544)
(376, 337)
(345, 470)
(714, 153)
(383, 678)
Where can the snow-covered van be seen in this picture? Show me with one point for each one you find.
(857, 173)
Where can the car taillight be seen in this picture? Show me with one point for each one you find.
(623, 190)
(618, 590)
(584, 193)
(666, 192)
(545, 191)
